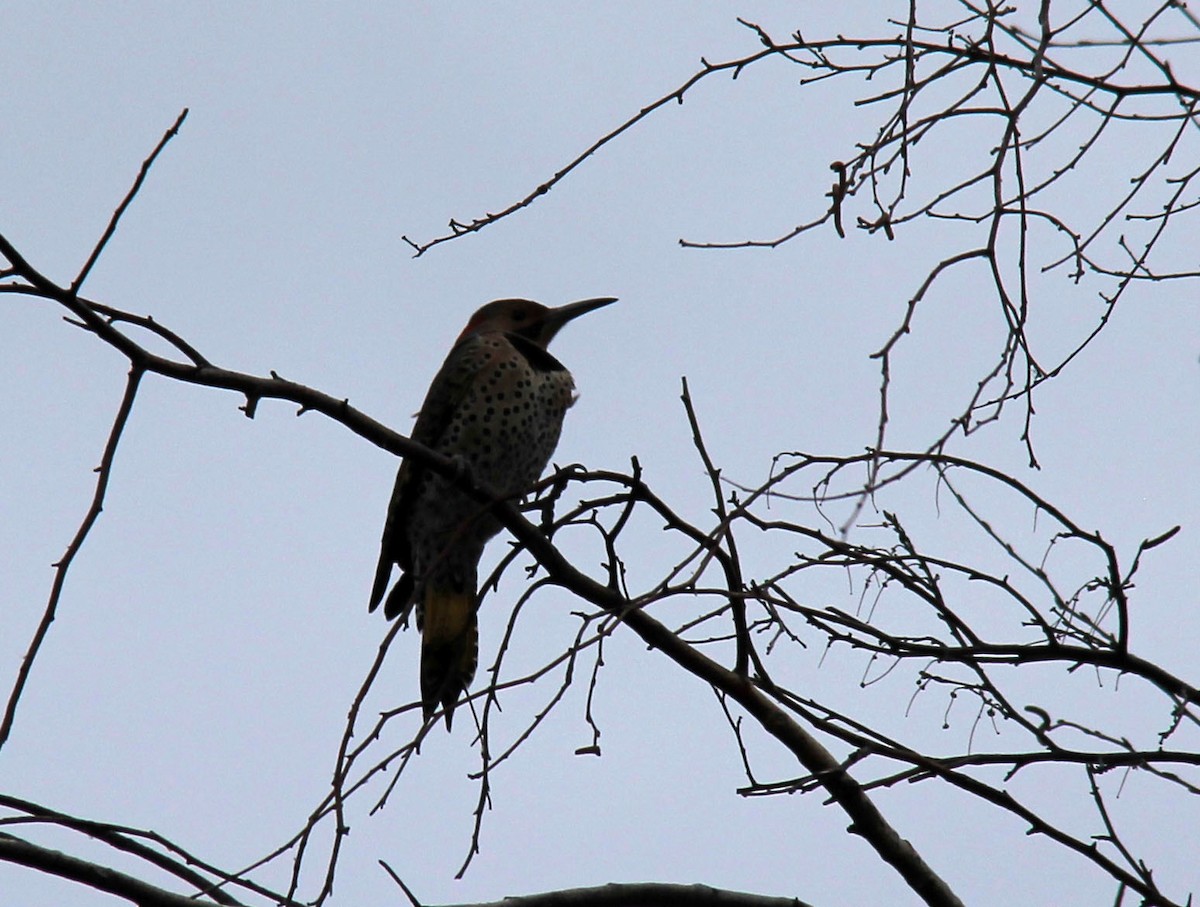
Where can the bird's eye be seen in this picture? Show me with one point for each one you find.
(519, 315)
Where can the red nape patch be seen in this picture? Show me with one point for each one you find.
(474, 324)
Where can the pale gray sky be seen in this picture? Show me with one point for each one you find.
(214, 630)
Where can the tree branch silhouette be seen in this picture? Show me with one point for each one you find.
(972, 632)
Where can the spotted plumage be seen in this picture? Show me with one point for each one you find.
(497, 404)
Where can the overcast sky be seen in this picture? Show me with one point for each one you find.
(214, 631)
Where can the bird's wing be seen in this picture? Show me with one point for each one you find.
(447, 391)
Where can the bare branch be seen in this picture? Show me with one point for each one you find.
(104, 471)
(129, 196)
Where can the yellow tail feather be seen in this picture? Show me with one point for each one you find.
(449, 648)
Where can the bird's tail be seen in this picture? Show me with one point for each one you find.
(449, 646)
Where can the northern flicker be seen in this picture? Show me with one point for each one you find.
(497, 403)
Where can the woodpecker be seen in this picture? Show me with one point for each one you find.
(497, 403)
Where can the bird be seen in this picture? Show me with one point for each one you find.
(497, 406)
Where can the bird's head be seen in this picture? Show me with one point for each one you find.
(529, 319)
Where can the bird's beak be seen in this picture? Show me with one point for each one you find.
(554, 319)
(565, 313)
